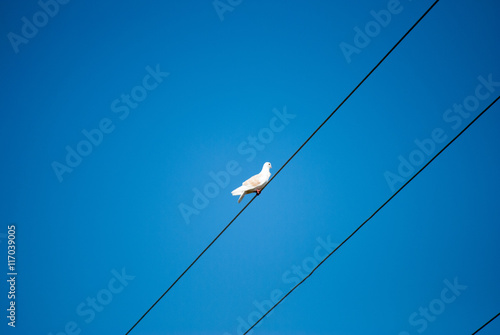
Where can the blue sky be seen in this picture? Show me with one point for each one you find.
(116, 116)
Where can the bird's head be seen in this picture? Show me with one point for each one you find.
(267, 165)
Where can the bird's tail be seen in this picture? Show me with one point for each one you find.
(239, 190)
(241, 197)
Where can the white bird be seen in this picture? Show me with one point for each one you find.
(254, 184)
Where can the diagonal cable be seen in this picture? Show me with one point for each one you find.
(300, 148)
(371, 216)
(355, 89)
(493, 318)
(190, 265)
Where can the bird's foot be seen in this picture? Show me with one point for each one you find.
(258, 192)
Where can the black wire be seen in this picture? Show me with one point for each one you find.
(354, 90)
(182, 274)
(493, 318)
(300, 148)
(371, 216)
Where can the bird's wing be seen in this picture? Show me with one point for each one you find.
(249, 184)
(253, 181)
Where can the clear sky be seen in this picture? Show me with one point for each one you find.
(126, 124)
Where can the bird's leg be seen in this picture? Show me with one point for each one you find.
(258, 192)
